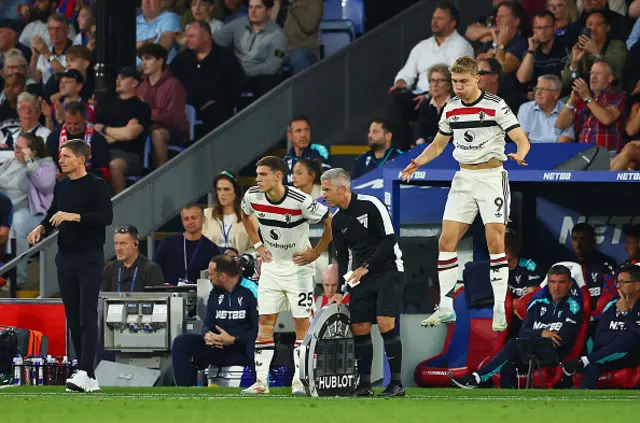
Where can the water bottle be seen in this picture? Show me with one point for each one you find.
(49, 371)
(40, 368)
(63, 370)
(33, 371)
(18, 372)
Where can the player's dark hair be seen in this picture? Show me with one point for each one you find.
(226, 264)
(274, 163)
(386, 124)
(453, 11)
(79, 148)
(313, 166)
(546, 14)
(559, 270)
(512, 240)
(632, 231)
(583, 228)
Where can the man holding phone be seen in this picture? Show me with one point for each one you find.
(593, 45)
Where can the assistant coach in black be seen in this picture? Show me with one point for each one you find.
(362, 229)
(80, 210)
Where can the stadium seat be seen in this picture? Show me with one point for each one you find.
(335, 35)
(469, 342)
(553, 375)
(350, 10)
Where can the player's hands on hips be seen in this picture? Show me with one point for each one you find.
(265, 254)
(408, 171)
(357, 274)
(555, 338)
(517, 158)
(305, 257)
(61, 216)
(35, 235)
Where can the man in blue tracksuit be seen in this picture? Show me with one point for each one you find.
(555, 314)
(617, 340)
(230, 327)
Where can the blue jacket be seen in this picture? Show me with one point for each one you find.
(564, 318)
(614, 323)
(599, 273)
(236, 312)
(367, 162)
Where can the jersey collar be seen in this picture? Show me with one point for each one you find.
(475, 102)
(286, 192)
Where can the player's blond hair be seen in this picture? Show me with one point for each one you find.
(464, 64)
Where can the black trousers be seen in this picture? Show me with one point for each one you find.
(79, 278)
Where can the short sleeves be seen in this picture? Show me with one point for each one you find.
(313, 211)
(505, 117)
(443, 126)
(245, 204)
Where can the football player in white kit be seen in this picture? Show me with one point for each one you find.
(286, 278)
(478, 121)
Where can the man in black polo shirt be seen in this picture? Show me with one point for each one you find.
(124, 122)
(211, 75)
(380, 139)
(546, 55)
(132, 271)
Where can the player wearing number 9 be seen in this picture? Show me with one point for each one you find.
(477, 121)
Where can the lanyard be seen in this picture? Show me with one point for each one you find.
(384, 159)
(226, 233)
(133, 281)
(193, 257)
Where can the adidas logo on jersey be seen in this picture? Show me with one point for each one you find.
(364, 220)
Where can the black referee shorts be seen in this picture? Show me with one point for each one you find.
(376, 295)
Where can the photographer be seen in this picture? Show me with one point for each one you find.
(229, 330)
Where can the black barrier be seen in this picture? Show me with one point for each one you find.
(327, 359)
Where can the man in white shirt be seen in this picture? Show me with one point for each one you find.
(48, 60)
(412, 83)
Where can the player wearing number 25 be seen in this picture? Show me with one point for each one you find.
(478, 122)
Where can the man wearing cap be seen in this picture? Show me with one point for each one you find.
(71, 83)
(124, 122)
(167, 99)
(131, 271)
(9, 39)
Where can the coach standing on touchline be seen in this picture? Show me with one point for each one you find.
(81, 209)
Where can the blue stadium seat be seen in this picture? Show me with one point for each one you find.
(335, 35)
(350, 10)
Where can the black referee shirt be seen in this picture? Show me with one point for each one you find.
(364, 231)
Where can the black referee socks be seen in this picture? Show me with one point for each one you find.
(393, 347)
(363, 350)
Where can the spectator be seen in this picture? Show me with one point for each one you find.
(167, 99)
(223, 221)
(124, 122)
(306, 177)
(599, 269)
(430, 112)
(29, 111)
(183, 256)
(599, 117)
(620, 25)
(203, 11)
(629, 157)
(616, 339)
(259, 44)
(509, 43)
(9, 9)
(236, 8)
(546, 55)
(566, 14)
(47, 61)
(299, 134)
(538, 118)
(411, 84)
(380, 140)
(14, 62)
(302, 29)
(85, 23)
(617, 6)
(71, 83)
(131, 271)
(14, 84)
(211, 75)
(634, 9)
(78, 58)
(37, 27)
(590, 49)
(76, 127)
(556, 316)
(491, 82)
(6, 220)
(482, 29)
(632, 244)
(9, 39)
(330, 292)
(155, 25)
(229, 330)
(38, 172)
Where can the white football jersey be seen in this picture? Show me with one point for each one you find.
(284, 226)
(479, 128)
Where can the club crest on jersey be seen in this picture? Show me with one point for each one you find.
(287, 217)
(240, 301)
(220, 298)
(518, 278)
(543, 310)
(482, 116)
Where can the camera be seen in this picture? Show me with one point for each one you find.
(248, 263)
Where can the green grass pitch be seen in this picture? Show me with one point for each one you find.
(198, 405)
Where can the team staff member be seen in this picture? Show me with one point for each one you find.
(132, 271)
(362, 226)
(81, 209)
(230, 327)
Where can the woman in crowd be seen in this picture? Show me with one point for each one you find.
(566, 14)
(306, 177)
(629, 157)
(28, 180)
(431, 109)
(223, 221)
